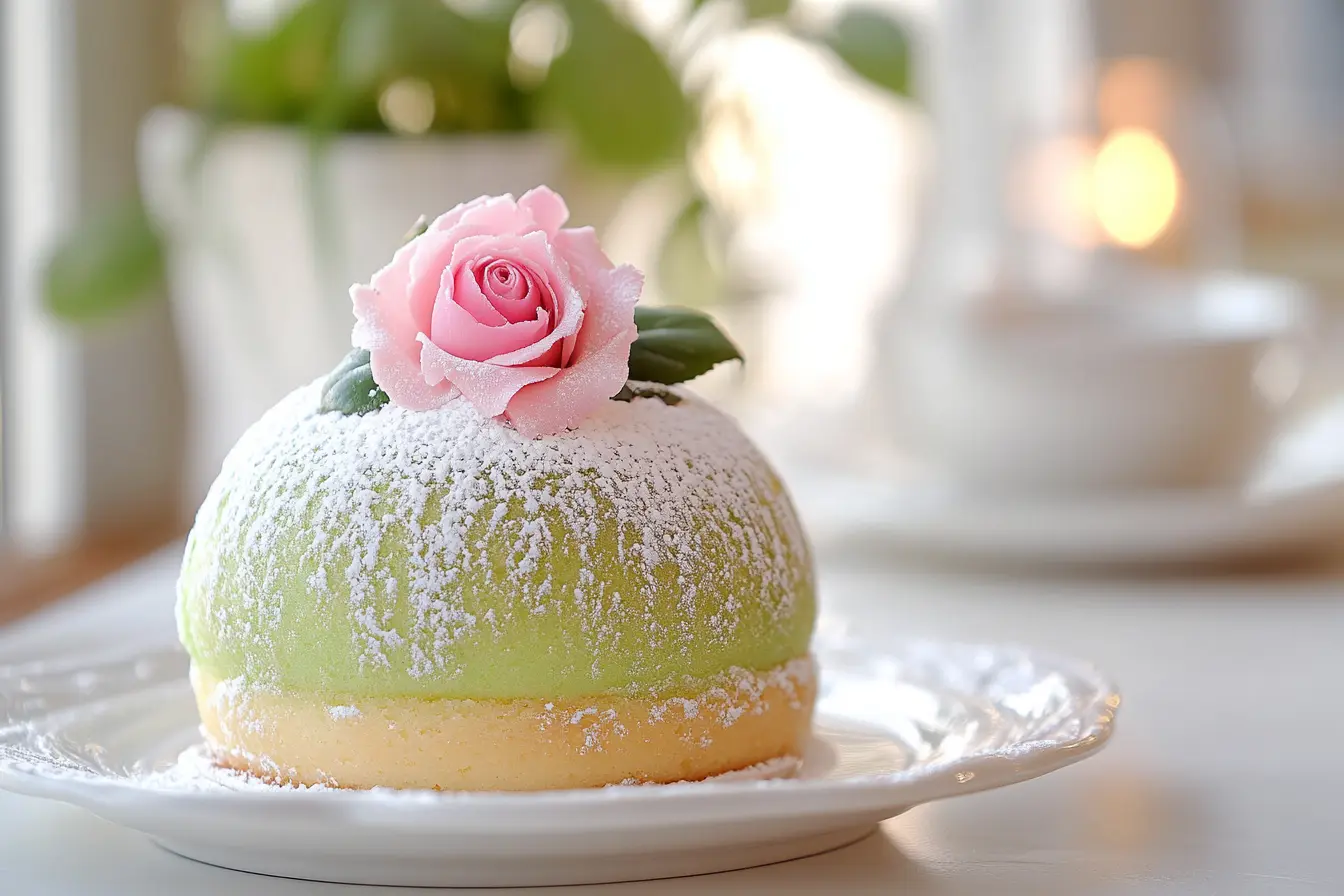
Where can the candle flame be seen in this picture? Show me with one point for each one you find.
(1135, 187)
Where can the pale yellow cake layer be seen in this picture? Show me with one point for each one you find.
(742, 718)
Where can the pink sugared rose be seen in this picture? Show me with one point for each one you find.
(499, 303)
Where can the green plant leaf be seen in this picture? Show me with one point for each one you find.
(464, 59)
(111, 260)
(677, 344)
(272, 75)
(461, 60)
(351, 389)
(873, 45)
(767, 9)
(362, 51)
(615, 92)
(326, 63)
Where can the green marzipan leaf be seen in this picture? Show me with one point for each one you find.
(417, 229)
(350, 389)
(676, 345)
(632, 390)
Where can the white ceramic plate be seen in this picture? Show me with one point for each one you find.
(895, 729)
(1295, 504)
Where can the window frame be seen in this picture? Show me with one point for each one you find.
(92, 416)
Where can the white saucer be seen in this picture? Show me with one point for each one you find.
(895, 729)
(1294, 504)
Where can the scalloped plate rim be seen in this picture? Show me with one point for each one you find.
(920, 783)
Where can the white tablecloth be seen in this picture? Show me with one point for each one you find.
(1224, 776)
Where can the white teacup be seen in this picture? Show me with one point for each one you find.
(1184, 389)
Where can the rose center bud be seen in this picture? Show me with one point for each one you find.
(505, 282)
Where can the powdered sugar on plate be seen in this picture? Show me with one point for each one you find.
(196, 771)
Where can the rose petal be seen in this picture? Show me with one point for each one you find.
(450, 218)
(546, 208)
(437, 249)
(459, 334)
(600, 364)
(383, 326)
(394, 278)
(612, 311)
(435, 256)
(533, 253)
(531, 250)
(522, 298)
(580, 249)
(547, 300)
(462, 289)
(500, 216)
(425, 275)
(537, 296)
(504, 280)
(550, 348)
(484, 216)
(549, 358)
(555, 404)
(488, 387)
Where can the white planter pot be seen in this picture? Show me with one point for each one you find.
(260, 303)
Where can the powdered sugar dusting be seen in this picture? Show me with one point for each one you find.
(731, 695)
(769, 770)
(722, 701)
(196, 771)
(440, 492)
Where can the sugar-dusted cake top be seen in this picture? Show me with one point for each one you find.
(442, 553)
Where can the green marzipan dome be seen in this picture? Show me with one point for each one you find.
(439, 554)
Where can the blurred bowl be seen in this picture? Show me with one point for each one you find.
(1180, 385)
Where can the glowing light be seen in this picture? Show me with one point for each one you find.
(1052, 190)
(729, 161)
(257, 16)
(538, 34)
(1135, 92)
(470, 7)
(407, 106)
(1135, 187)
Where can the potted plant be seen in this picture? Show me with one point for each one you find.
(307, 139)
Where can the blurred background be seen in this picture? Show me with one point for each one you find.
(935, 227)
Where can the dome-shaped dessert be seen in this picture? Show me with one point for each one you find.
(428, 599)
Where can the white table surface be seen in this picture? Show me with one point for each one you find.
(1226, 775)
